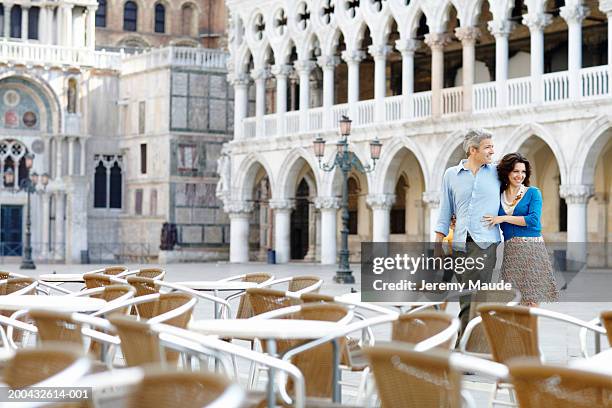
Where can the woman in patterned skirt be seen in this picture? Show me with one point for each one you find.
(526, 263)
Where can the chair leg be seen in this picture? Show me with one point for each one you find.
(361, 389)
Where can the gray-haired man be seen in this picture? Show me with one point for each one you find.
(471, 190)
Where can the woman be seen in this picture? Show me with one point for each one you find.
(526, 262)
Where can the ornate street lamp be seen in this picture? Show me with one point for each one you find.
(345, 160)
(28, 185)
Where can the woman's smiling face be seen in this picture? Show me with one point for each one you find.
(517, 175)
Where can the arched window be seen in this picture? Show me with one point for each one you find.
(115, 186)
(130, 16)
(160, 18)
(33, 23)
(100, 186)
(101, 14)
(16, 21)
(72, 95)
(353, 205)
(187, 19)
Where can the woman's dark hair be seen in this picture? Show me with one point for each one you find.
(506, 165)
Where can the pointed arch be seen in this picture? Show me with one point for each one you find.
(246, 174)
(291, 167)
(592, 141)
(383, 183)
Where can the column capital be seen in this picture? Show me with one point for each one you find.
(260, 74)
(353, 56)
(407, 46)
(576, 193)
(379, 52)
(26, 6)
(467, 35)
(574, 14)
(501, 28)
(282, 70)
(304, 67)
(238, 80)
(327, 203)
(437, 41)
(537, 22)
(238, 207)
(380, 201)
(432, 198)
(328, 61)
(67, 6)
(92, 9)
(282, 205)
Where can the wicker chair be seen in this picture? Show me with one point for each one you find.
(56, 326)
(97, 280)
(31, 366)
(151, 273)
(265, 300)
(606, 320)
(163, 389)
(18, 286)
(298, 283)
(112, 270)
(416, 327)
(406, 378)
(540, 385)
(144, 286)
(244, 307)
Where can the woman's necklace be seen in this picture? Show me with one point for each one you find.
(517, 197)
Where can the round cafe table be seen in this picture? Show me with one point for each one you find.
(62, 277)
(57, 303)
(598, 363)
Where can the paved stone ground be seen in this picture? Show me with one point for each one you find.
(559, 342)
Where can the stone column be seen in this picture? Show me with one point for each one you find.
(59, 25)
(353, 59)
(83, 161)
(576, 197)
(281, 72)
(437, 42)
(312, 233)
(71, 141)
(432, 200)
(381, 210)
(42, 25)
(536, 24)
(7, 19)
(239, 215)
(91, 27)
(76, 217)
(407, 49)
(260, 75)
(501, 30)
(468, 37)
(328, 65)
(241, 100)
(282, 229)
(60, 213)
(58, 154)
(379, 53)
(25, 11)
(45, 225)
(304, 68)
(68, 23)
(329, 208)
(609, 15)
(574, 15)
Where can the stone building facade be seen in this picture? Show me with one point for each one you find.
(130, 142)
(416, 74)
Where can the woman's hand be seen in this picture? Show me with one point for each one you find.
(492, 220)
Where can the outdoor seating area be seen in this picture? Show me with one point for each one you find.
(139, 338)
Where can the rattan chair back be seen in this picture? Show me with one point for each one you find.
(316, 298)
(56, 326)
(14, 284)
(152, 273)
(4, 275)
(144, 286)
(31, 366)
(302, 282)
(511, 331)
(244, 307)
(163, 389)
(265, 300)
(139, 344)
(539, 386)
(606, 321)
(416, 327)
(114, 270)
(97, 280)
(409, 379)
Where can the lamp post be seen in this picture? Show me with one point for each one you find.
(28, 184)
(345, 160)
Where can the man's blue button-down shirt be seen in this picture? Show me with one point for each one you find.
(469, 196)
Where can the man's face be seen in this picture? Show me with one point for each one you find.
(484, 153)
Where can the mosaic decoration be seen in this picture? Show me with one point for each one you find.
(29, 119)
(11, 98)
(21, 102)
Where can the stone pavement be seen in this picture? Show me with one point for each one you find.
(559, 342)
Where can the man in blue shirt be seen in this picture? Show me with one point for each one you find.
(470, 191)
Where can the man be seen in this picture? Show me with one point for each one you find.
(471, 190)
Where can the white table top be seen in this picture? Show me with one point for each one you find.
(599, 363)
(62, 277)
(58, 303)
(280, 329)
(356, 297)
(218, 285)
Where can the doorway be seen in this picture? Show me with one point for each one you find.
(11, 233)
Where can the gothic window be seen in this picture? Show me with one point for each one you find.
(143, 158)
(101, 14)
(12, 162)
(130, 16)
(115, 186)
(327, 12)
(303, 16)
(33, 23)
(100, 186)
(280, 22)
(72, 95)
(259, 27)
(353, 205)
(16, 21)
(160, 18)
(187, 19)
